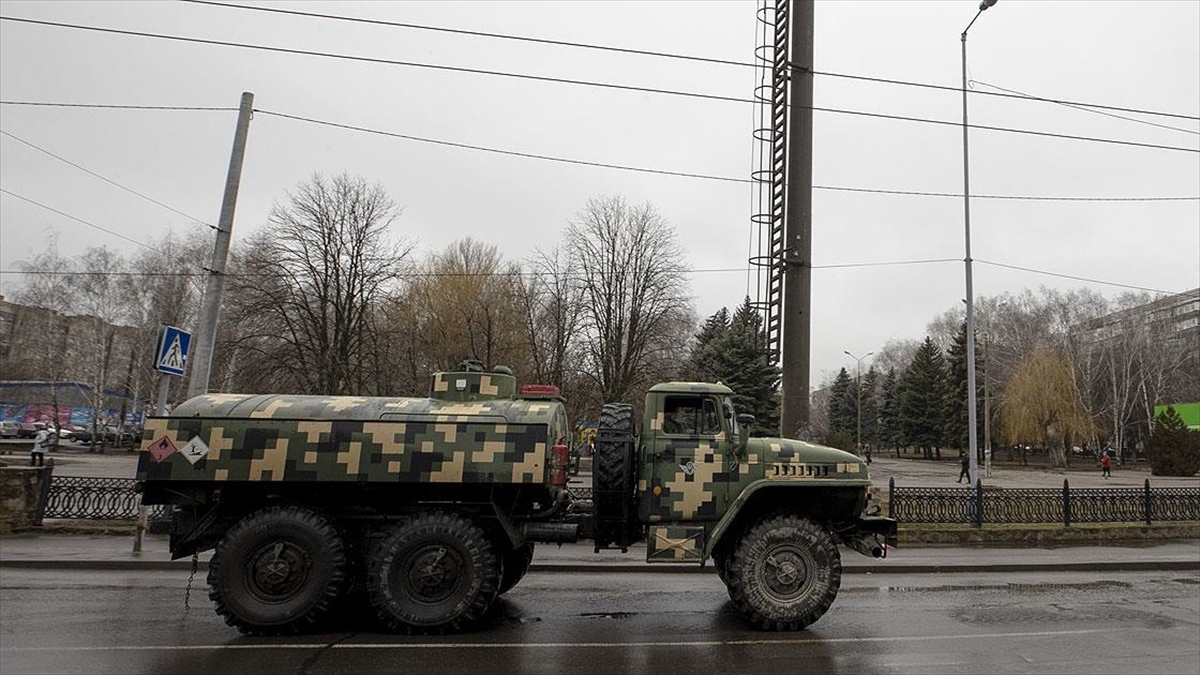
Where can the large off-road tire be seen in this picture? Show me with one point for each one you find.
(436, 572)
(516, 564)
(277, 571)
(784, 572)
(613, 475)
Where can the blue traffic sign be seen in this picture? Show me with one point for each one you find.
(171, 355)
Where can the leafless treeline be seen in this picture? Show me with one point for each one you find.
(329, 297)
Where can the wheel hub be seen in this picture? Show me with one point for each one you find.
(785, 573)
(278, 570)
(433, 574)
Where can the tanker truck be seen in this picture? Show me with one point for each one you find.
(429, 508)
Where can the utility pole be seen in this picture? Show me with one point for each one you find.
(797, 277)
(206, 330)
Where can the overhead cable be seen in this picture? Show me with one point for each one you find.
(104, 178)
(657, 54)
(79, 220)
(474, 33)
(684, 174)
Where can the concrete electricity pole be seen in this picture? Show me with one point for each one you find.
(797, 277)
(206, 330)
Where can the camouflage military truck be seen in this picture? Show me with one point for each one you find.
(430, 507)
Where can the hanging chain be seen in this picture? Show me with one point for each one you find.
(187, 596)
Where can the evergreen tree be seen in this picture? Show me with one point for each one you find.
(705, 362)
(955, 406)
(889, 413)
(842, 405)
(732, 350)
(921, 398)
(870, 408)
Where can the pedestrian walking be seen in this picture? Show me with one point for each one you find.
(41, 443)
(965, 472)
(1106, 465)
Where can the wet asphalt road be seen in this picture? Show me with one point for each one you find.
(63, 621)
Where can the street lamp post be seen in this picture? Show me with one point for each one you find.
(972, 413)
(858, 406)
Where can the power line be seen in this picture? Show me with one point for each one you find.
(1023, 97)
(1086, 109)
(570, 275)
(498, 151)
(669, 55)
(473, 33)
(1073, 277)
(1010, 130)
(685, 174)
(103, 178)
(116, 107)
(390, 62)
(557, 80)
(80, 220)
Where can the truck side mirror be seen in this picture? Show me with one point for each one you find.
(744, 421)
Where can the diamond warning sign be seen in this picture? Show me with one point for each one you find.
(195, 450)
(161, 449)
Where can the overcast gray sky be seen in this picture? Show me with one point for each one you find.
(1143, 55)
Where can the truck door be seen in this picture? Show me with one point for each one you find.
(688, 479)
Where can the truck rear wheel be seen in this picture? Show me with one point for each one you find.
(516, 564)
(277, 571)
(784, 572)
(436, 571)
(613, 473)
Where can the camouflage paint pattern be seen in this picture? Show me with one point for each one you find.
(358, 439)
(696, 477)
(675, 543)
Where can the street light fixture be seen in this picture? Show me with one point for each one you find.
(858, 384)
(972, 413)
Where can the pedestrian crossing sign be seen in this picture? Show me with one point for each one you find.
(171, 355)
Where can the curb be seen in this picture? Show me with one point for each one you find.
(884, 568)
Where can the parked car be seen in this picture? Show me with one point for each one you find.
(83, 436)
(8, 429)
(29, 429)
(117, 438)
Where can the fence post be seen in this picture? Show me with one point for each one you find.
(891, 498)
(1146, 500)
(978, 503)
(1066, 503)
(43, 494)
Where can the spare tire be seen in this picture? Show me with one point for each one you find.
(614, 475)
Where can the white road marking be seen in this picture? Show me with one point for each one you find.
(577, 645)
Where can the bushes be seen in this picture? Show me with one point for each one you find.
(1173, 450)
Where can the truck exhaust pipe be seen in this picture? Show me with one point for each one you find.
(868, 546)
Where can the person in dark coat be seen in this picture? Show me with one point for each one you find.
(965, 472)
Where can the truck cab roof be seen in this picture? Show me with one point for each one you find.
(691, 388)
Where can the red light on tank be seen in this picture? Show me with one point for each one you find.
(540, 390)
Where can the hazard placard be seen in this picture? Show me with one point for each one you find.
(161, 449)
(194, 451)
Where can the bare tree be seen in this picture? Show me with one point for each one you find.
(636, 313)
(552, 301)
(309, 283)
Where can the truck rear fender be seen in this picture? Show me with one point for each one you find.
(822, 503)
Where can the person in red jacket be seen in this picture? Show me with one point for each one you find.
(1105, 465)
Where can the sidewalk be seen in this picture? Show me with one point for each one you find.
(80, 551)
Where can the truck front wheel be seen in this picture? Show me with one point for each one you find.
(277, 571)
(435, 572)
(784, 572)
